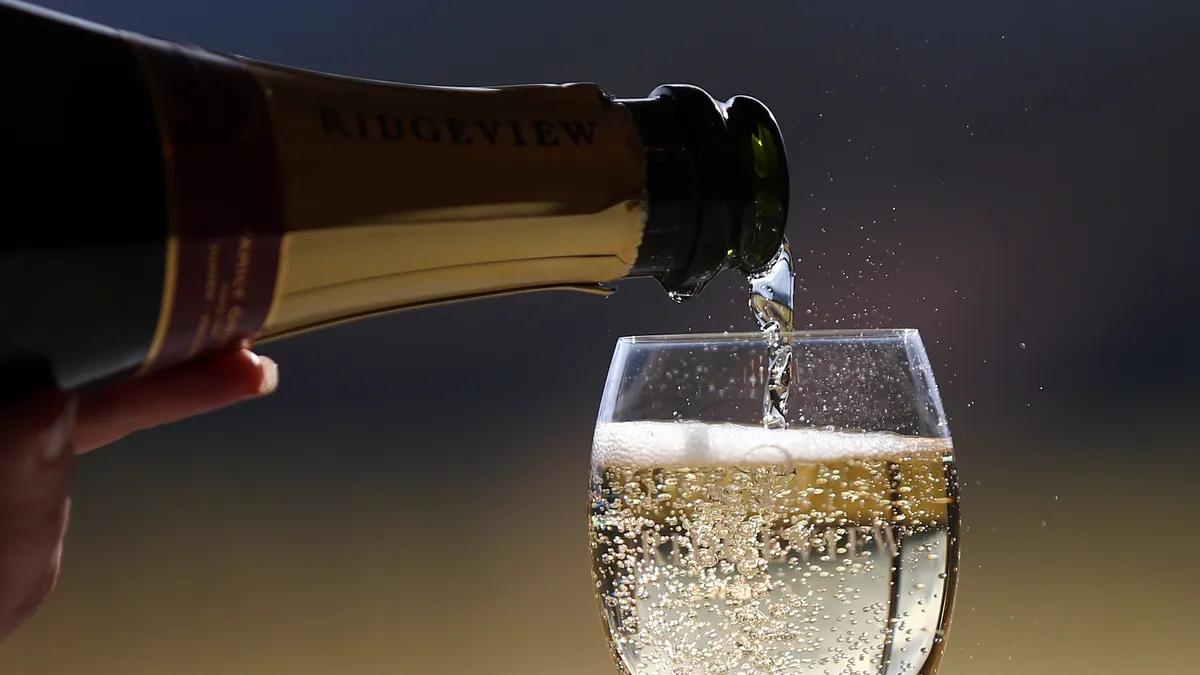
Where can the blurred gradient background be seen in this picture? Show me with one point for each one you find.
(1016, 179)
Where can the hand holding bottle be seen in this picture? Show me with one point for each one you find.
(41, 435)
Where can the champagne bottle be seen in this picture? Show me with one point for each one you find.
(164, 201)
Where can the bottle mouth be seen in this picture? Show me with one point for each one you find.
(764, 218)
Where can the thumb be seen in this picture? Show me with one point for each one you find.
(36, 467)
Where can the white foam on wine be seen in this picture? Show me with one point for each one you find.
(700, 444)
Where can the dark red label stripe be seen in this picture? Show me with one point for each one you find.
(225, 195)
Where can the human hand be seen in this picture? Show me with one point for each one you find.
(41, 435)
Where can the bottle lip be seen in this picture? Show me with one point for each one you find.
(750, 121)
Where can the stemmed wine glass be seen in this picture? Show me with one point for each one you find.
(722, 546)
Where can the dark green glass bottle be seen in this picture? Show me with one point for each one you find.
(167, 201)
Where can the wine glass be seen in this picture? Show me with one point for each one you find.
(722, 546)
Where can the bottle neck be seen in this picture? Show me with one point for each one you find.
(397, 195)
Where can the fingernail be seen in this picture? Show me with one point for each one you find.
(270, 378)
(56, 441)
(55, 570)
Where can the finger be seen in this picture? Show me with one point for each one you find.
(36, 467)
(191, 389)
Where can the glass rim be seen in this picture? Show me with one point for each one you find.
(834, 334)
